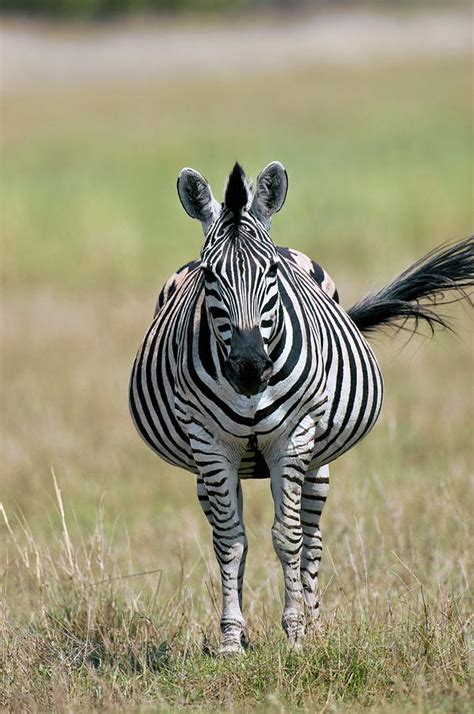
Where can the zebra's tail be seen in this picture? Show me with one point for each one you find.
(441, 277)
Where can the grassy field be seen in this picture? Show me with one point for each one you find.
(109, 590)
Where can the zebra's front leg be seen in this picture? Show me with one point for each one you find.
(206, 507)
(287, 535)
(243, 559)
(221, 486)
(314, 494)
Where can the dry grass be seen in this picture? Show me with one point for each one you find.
(78, 632)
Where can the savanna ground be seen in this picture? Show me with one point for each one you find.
(109, 589)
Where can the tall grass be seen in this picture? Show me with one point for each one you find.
(95, 641)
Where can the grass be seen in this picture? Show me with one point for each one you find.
(109, 587)
(377, 157)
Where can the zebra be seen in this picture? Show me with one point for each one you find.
(252, 369)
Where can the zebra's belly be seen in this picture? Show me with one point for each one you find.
(336, 431)
(332, 443)
(349, 419)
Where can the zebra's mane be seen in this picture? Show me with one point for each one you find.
(237, 192)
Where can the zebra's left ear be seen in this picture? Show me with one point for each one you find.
(196, 197)
(270, 192)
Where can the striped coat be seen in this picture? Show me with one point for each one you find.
(336, 380)
(252, 369)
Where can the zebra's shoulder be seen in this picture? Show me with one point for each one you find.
(323, 279)
(174, 282)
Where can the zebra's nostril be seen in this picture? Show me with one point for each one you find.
(248, 376)
(243, 366)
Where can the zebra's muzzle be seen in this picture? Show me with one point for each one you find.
(248, 368)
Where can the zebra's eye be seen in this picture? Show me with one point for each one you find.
(272, 271)
(208, 274)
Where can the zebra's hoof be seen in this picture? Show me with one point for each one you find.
(230, 649)
(295, 645)
(294, 626)
(232, 632)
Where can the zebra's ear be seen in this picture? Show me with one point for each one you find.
(270, 192)
(196, 196)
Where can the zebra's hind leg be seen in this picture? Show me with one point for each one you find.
(314, 494)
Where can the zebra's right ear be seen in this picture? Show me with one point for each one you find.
(196, 196)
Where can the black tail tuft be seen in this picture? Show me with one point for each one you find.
(236, 195)
(443, 276)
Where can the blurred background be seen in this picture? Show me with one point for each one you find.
(103, 102)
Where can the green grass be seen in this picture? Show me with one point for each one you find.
(376, 157)
(379, 160)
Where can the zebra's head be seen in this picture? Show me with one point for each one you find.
(239, 265)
